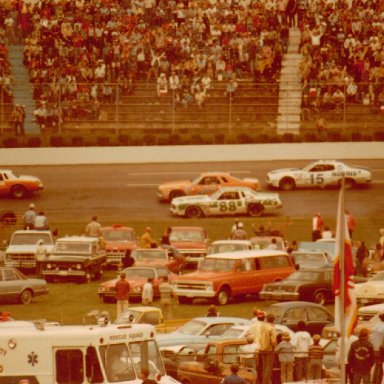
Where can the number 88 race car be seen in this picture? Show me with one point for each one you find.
(226, 201)
(320, 173)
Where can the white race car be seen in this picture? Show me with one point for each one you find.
(319, 173)
(226, 201)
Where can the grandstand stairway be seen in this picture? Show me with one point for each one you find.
(290, 87)
(22, 88)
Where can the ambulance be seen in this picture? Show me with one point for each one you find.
(38, 353)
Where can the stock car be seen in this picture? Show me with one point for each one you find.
(205, 184)
(18, 186)
(320, 173)
(226, 201)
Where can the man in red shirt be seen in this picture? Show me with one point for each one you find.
(122, 294)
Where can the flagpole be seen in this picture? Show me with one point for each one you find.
(341, 232)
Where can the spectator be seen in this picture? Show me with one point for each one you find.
(301, 345)
(41, 222)
(315, 356)
(147, 292)
(167, 295)
(267, 339)
(41, 255)
(239, 233)
(286, 358)
(327, 233)
(144, 375)
(351, 222)
(249, 352)
(212, 311)
(29, 217)
(146, 240)
(317, 227)
(273, 244)
(362, 253)
(233, 377)
(93, 228)
(122, 294)
(127, 261)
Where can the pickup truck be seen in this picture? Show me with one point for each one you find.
(214, 364)
(150, 315)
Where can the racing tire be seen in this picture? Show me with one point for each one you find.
(26, 296)
(176, 193)
(319, 297)
(18, 191)
(193, 212)
(223, 296)
(255, 210)
(349, 184)
(185, 300)
(287, 184)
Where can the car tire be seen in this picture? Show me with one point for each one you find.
(18, 191)
(319, 297)
(193, 212)
(26, 296)
(176, 193)
(287, 184)
(185, 300)
(255, 210)
(223, 296)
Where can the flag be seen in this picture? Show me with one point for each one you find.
(345, 296)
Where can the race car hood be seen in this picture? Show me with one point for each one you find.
(176, 184)
(191, 199)
(27, 248)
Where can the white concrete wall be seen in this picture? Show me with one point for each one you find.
(192, 153)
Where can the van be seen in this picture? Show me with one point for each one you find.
(224, 276)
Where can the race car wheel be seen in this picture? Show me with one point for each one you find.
(18, 191)
(349, 183)
(193, 211)
(26, 297)
(222, 297)
(255, 210)
(176, 193)
(185, 300)
(287, 184)
(319, 297)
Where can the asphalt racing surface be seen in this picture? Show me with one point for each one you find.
(125, 192)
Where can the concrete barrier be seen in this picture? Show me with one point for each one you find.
(190, 153)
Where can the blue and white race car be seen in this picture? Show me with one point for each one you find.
(226, 201)
(320, 173)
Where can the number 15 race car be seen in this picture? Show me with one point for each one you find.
(226, 201)
(320, 173)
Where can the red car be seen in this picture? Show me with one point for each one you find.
(136, 277)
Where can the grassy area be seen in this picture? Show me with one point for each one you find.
(69, 303)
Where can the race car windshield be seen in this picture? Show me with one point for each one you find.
(217, 265)
(30, 238)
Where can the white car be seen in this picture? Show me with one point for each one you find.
(367, 312)
(240, 331)
(220, 246)
(320, 173)
(372, 291)
(226, 201)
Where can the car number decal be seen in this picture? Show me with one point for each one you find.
(228, 206)
(317, 179)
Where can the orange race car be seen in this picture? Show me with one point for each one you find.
(205, 184)
(18, 186)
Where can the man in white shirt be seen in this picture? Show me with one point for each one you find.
(147, 293)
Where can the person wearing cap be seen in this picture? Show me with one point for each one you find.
(239, 233)
(377, 339)
(286, 358)
(268, 342)
(249, 351)
(361, 358)
(93, 228)
(29, 217)
(315, 355)
(41, 255)
(146, 240)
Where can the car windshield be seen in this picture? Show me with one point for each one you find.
(309, 166)
(265, 243)
(128, 316)
(232, 333)
(217, 265)
(118, 235)
(186, 235)
(140, 255)
(276, 311)
(73, 247)
(220, 248)
(30, 238)
(138, 272)
(303, 276)
(308, 257)
(378, 277)
(193, 327)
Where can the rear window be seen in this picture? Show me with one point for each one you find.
(274, 262)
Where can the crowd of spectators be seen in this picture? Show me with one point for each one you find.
(81, 54)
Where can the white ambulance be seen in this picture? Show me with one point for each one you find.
(79, 354)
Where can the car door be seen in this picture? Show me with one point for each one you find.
(228, 203)
(10, 284)
(315, 176)
(318, 317)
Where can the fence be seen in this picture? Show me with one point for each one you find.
(254, 107)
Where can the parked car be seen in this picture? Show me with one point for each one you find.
(21, 250)
(205, 184)
(289, 313)
(199, 330)
(320, 173)
(79, 258)
(372, 265)
(310, 259)
(304, 285)
(18, 186)
(14, 285)
(118, 239)
(136, 276)
(227, 201)
(191, 241)
(223, 276)
(367, 312)
(158, 257)
(264, 242)
(320, 246)
(372, 291)
(222, 246)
